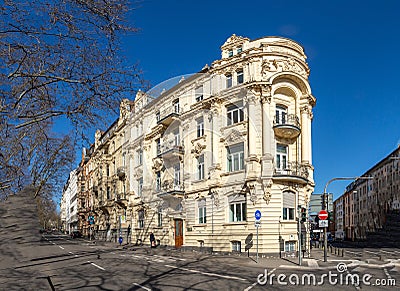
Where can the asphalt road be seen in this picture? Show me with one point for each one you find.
(30, 261)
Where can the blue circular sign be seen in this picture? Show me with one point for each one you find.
(257, 214)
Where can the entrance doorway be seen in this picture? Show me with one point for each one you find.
(178, 233)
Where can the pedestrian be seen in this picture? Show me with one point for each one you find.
(152, 240)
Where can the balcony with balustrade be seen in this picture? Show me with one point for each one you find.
(287, 126)
(292, 172)
(170, 149)
(169, 115)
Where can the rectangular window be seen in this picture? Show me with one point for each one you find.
(200, 127)
(237, 208)
(239, 50)
(289, 202)
(159, 217)
(140, 187)
(290, 246)
(177, 176)
(230, 53)
(228, 81)
(158, 181)
(200, 167)
(280, 115)
(141, 218)
(177, 138)
(202, 211)
(281, 156)
(176, 106)
(239, 77)
(140, 157)
(235, 157)
(236, 246)
(158, 116)
(234, 114)
(199, 93)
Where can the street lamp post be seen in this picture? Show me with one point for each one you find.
(325, 205)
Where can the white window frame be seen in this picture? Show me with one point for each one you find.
(281, 157)
(200, 127)
(280, 114)
(229, 80)
(288, 206)
(202, 211)
(237, 208)
(200, 167)
(140, 157)
(236, 246)
(239, 77)
(177, 175)
(177, 138)
(235, 157)
(176, 106)
(234, 114)
(290, 246)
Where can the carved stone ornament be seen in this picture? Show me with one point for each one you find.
(233, 137)
(252, 192)
(216, 198)
(198, 147)
(157, 164)
(287, 65)
(267, 184)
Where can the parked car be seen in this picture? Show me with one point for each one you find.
(76, 234)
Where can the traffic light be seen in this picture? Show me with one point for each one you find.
(303, 214)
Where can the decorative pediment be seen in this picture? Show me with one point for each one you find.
(233, 137)
(233, 41)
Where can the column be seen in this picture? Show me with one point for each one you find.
(306, 134)
(267, 150)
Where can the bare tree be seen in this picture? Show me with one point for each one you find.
(61, 60)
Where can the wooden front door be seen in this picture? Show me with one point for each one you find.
(178, 233)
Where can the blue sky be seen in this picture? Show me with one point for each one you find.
(353, 52)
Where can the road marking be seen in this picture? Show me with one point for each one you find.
(207, 274)
(387, 273)
(170, 258)
(254, 284)
(312, 263)
(145, 288)
(61, 247)
(97, 266)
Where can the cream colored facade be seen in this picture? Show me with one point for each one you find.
(193, 164)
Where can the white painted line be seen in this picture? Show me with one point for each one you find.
(387, 273)
(170, 258)
(136, 284)
(254, 284)
(207, 274)
(61, 247)
(97, 266)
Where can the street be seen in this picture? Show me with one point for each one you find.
(79, 264)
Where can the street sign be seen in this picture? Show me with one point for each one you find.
(257, 223)
(323, 215)
(257, 214)
(323, 223)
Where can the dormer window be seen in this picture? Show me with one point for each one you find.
(239, 50)
(230, 53)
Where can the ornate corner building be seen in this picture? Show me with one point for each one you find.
(194, 163)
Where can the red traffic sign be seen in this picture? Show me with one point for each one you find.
(323, 215)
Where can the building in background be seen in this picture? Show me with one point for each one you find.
(68, 207)
(365, 204)
(192, 161)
